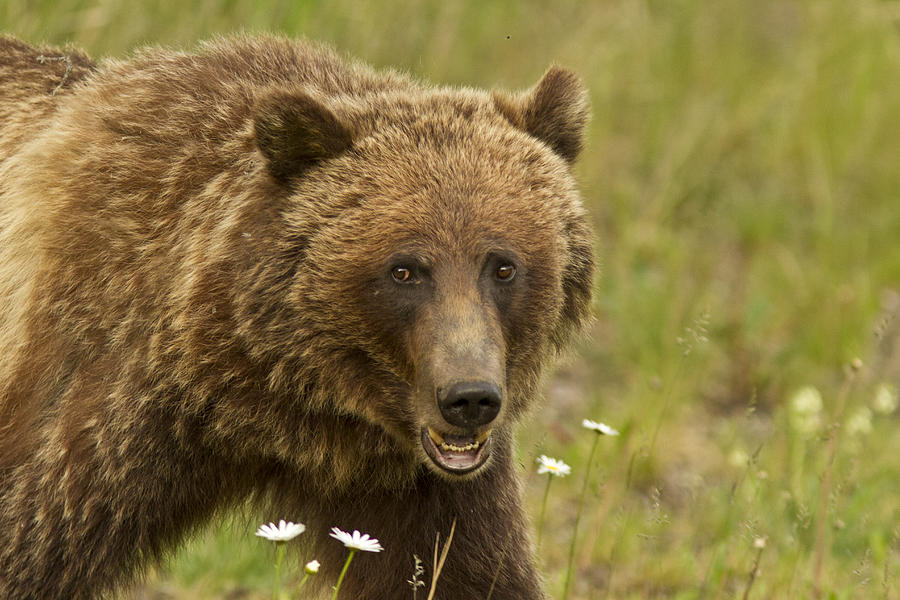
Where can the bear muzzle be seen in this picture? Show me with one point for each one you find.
(468, 408)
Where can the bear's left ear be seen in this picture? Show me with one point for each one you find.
(294, 131)
(554, 111)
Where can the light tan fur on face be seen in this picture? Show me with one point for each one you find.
(196, 305)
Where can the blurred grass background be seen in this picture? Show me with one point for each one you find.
(743, 173)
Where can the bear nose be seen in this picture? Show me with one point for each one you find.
(470, 403)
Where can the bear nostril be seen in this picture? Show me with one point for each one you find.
(470, 404)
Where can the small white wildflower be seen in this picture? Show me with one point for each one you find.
(284, 531)
(739, 458)
(805, 409)
(599, 427)
(860, 422)
(356, 540)
(885, 401)
(759, 542)
(807, 400)
(552, 466)
(312, 567)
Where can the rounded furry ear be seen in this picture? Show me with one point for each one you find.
(294, 131)
(554, 111)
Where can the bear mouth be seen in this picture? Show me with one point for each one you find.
(456, 454)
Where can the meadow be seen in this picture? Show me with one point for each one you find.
(742, 171)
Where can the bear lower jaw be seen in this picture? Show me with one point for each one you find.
(455, 454)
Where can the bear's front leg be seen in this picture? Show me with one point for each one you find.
(490, 546)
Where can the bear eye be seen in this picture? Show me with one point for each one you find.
(402, 274)
(506, 272)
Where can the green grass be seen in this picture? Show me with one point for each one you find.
(743, 172)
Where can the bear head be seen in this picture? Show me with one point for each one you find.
(438, 252)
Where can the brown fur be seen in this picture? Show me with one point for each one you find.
(196, 305)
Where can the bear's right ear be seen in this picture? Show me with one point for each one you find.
(554, 111)
(294, 131)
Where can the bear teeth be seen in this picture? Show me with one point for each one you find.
(436, 437)
(441, 443)
(452, 448)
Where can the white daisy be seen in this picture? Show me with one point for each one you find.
(284, 531)
(356, 540)
(312, 567)
(600, 428)
(552, 466)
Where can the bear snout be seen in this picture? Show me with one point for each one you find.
(469, 404)
(462, 443)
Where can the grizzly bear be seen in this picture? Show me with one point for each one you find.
(265, 273)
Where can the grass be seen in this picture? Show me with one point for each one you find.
(742, 170)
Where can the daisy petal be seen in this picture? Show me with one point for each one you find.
(283, 532)
(552, 466)
(356, 540)
(600, 428)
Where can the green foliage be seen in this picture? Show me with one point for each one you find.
(742, 172)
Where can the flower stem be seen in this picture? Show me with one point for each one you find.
(587, 476)
(279, 556)
(825, 487)
(543, 510)
(752, 577)
(343, 572)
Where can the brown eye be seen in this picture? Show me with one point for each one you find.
(401, 274)
(506, 272)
